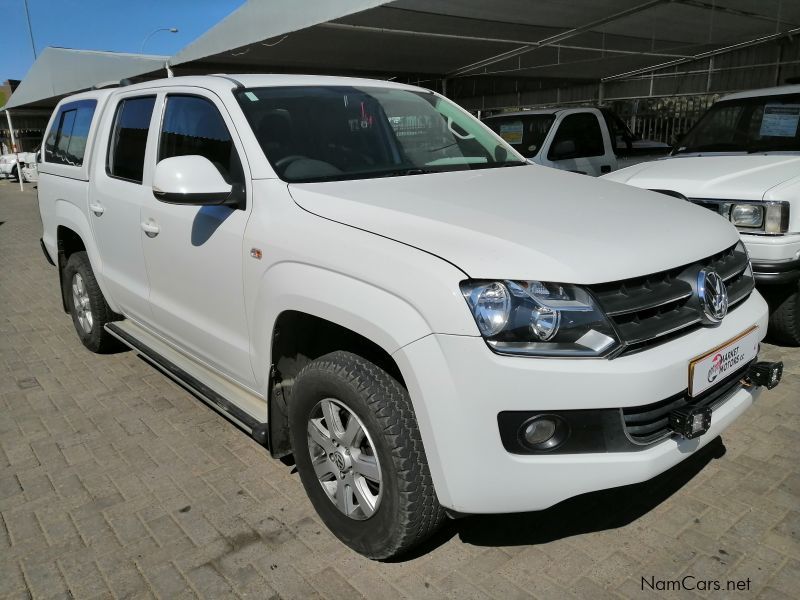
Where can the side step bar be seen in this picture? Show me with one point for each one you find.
(124, 330)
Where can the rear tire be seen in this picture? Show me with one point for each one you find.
(401, 505)
(784, 318)
(86, 304)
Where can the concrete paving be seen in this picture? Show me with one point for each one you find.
(115, 482)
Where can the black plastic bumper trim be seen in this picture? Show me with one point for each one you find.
(46, 253)
(776, 272)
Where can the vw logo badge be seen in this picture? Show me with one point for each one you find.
(713, 296)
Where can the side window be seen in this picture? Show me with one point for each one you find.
(128, 141)
(66, 141)
(579, 135)
(193, 125)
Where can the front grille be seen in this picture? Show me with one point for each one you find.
(646, 424)
(656, 308)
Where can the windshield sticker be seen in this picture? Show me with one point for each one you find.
(511, 132)
(780, 120)
(251, 96)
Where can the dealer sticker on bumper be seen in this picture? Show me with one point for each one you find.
(711, 368)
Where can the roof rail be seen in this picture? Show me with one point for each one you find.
(237, 83)
(105, 84)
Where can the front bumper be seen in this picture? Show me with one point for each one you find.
(458, 387)
(775, 259)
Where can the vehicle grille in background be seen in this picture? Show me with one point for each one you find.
(653, 309)
(646, 424)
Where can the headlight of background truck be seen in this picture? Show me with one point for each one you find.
(538, 318)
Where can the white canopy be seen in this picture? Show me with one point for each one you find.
(59, 72)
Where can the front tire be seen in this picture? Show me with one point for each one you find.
(360, 457)
(784, 317)
(87, 306)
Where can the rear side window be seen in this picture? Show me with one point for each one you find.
(66, 142)
(582, 130)
(129, 138)
(194, 125)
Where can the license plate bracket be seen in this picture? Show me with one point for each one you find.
(707, 370)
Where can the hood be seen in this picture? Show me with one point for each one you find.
(735, 177)
(526, 222)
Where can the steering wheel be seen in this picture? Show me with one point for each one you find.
(287, 160)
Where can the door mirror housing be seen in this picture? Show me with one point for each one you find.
(192, 180)
(563, 150)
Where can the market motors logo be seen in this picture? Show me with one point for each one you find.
(723, 363)
(716, 366)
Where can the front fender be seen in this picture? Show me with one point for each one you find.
(375, 313)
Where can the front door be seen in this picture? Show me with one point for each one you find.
(194, 254)
(580, 145)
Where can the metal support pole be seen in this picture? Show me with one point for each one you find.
(15, 149)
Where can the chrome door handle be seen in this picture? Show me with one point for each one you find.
(150, 228)
(97, 209)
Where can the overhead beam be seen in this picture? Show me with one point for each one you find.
(554, 39)
(724, 50)
(471, 38)
(734, 11)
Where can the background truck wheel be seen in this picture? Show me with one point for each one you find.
(87, 305)
(784, 317)
(360, 457)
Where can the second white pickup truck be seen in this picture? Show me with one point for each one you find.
(591, 141)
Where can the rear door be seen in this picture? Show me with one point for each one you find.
(580, 143)
(121, 183)
(194, 254)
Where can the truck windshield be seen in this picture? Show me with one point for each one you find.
(525, 133)
(335, 133)
(761, 124)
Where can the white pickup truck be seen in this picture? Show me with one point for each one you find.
(742, 160)
(591, 141)
(14, 164)
(361, 274)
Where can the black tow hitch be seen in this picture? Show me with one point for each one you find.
(765, 373)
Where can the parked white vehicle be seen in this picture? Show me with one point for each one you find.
(742, 160)
(591, 141)
(360, 273)
(11, 164)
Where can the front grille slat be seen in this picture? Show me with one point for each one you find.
(652, 309)
(644, 298)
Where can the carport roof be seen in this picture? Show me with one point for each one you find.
(59, 72)
(578, 39)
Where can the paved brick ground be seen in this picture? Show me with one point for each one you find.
(114, 482)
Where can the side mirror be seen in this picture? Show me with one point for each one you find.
(192, 180)
(563, 149)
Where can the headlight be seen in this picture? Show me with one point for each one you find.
(747, 215)
(768, 217)
(538, 318)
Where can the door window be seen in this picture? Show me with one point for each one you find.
(66, 142)
(129, 138)
(578, 136)
(194, 126)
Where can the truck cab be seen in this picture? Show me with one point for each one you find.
(742, 161)
(586, 140)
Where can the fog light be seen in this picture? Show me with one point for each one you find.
(543, 432)
(690, 422)
(766, 373)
